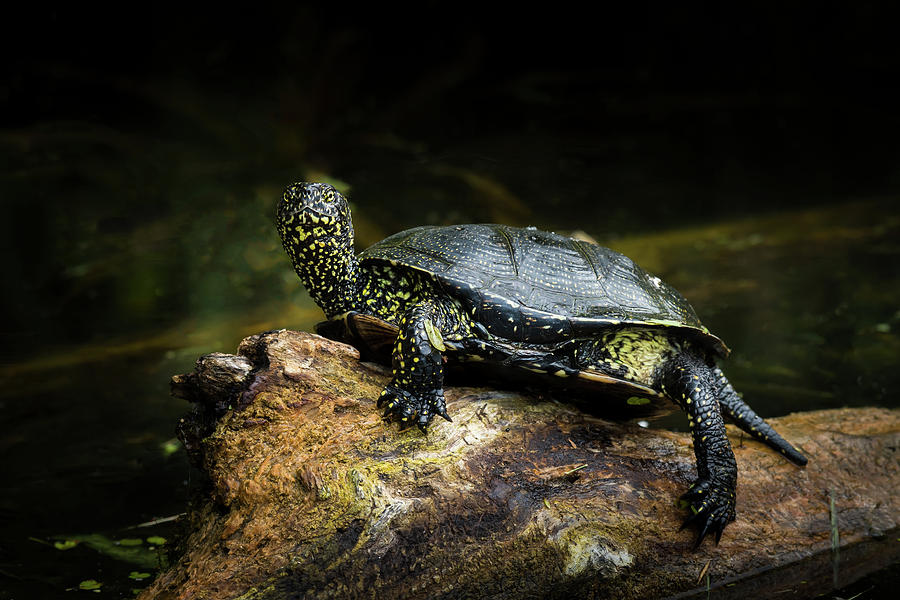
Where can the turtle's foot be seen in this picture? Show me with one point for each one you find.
(409, 409)
(711, 502)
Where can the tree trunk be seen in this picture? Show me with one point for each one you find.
(311, 495)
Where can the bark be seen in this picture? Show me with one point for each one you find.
(311, 495)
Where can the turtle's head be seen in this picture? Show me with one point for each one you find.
(313, 221)
(312, 206)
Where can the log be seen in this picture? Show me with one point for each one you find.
(311, 495)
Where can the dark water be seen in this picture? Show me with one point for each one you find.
(140, 171)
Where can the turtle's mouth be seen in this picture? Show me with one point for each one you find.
(307, 214)
(320, 225)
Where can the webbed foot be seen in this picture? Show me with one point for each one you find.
(409, 409)
(712, 506)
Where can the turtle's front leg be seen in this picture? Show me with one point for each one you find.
(416, 391)
(691, 383)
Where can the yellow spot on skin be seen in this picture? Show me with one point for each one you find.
(560, 373)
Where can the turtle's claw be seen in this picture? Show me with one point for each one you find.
(719, 534)
(410, 409)
(689, 521)
(712, 506)
(423, 420)
(399, 405)
(713, 523)
(438, 405)
(704, 529)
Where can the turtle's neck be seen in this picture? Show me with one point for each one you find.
(326, 265)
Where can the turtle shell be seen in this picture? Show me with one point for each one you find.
(533, 286)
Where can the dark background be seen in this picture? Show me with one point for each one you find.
(630, 119)
(143, 149)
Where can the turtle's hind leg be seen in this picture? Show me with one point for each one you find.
(690, 382)
(745, 418)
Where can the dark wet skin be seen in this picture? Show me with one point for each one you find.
(527, 299)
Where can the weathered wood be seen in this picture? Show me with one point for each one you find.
(311, 495)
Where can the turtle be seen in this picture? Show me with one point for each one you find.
(521, 299)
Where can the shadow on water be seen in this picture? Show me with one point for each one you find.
(137, 233)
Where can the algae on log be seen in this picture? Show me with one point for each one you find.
(311, 495)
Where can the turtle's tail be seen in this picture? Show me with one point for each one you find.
(744, 417)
